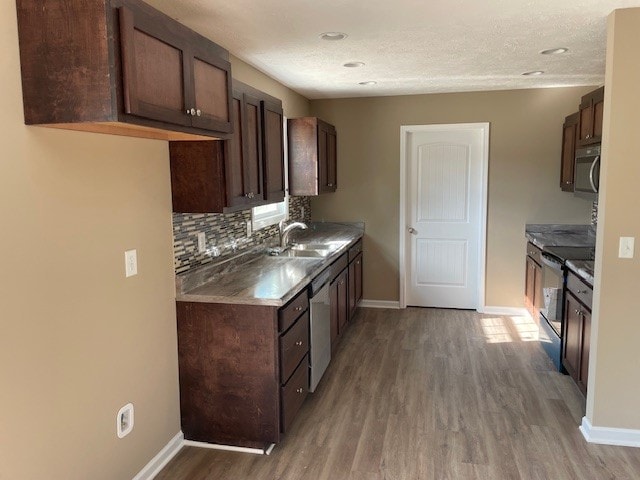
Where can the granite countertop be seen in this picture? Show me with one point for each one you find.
(583, 269)
(256, 278)
(554, 235)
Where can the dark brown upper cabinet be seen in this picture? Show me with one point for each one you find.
(244, 171)
(569, 143)
(312, 156)
(591, 113)
(121, 67)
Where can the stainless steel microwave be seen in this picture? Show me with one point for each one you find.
(586, 179)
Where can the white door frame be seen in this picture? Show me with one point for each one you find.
(405, 130)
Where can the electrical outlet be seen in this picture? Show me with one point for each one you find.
(130, 263)
(124, 420)
(625, 249)
(202, 242)
(249, 230)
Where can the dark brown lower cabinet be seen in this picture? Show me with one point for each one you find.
(576, 334)
(355, 284)
(243, 370)
(339, 302)
(533, 287)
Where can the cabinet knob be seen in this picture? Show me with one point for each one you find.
(192, 111)
(358, 262)
(300, 390)
(581, 291)
(341, 282)
(298, 309)
(199, 112)
(188, 111)
(299, 343)
(568, 183)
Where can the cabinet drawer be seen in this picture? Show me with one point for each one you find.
(339, 265)
(534, 252)
(294, 393)
(355, 250)
(290, 312)
(293, 346)
(580, 290)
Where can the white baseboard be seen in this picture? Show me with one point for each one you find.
(379, 304)
(624, 437)
(163, 457)
(512, 311)
(229, 448)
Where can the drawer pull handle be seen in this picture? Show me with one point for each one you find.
(582, 291)
(300, 390)
(298, 309)
(299, 343)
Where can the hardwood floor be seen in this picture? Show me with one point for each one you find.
(430, 394)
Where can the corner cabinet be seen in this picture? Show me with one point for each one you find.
(570, 134)
(121, 67)
(591, 116)
(244, 370)
(312, 156)
(239, 173)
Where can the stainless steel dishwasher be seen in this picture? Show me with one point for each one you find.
(320, 328)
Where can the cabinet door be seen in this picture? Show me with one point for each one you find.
(273, 152)
(355, 284)
(252, 142)
(343, 300)
(234, 157)
(567, 163)
(335, 316)
(332, 163)
(591, 112)
(323, 145)
(584, 357)
(153, 68)
(210, 92)
(572, 336)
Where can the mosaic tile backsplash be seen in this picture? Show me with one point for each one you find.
(226, 234)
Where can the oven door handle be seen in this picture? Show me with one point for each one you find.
(594, 187)
(552, 263)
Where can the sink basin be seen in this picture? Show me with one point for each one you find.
(308, 250)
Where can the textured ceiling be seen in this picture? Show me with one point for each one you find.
(408, 46)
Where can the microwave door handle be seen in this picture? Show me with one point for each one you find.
(591, 179)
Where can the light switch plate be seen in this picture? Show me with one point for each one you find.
(626, 247)
(130, 263)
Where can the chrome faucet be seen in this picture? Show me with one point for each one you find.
(285, 231)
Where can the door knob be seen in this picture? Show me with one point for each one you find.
(413, 231)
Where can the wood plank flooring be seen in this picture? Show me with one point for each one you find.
(430, 394)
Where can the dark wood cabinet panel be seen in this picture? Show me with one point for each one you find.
(355, 284)
(591, 113)
(583, 375)
(252, 159)
(569, 143)
(312, 156)
(273, 151)
(577, 330)
(121, 67)
(242, 377)
(339, 305)
(229, 373)
(572, 336)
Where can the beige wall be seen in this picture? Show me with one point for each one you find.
(293, 104)
(614, 383)
(524, 169)
(78, 340)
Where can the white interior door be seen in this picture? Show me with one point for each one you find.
(445, 216)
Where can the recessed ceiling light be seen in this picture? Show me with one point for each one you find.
(370, 82)
(554, 51)
(534, 73)
(333, 36)
(353, 64)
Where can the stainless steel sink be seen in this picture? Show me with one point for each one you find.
(308, 250)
